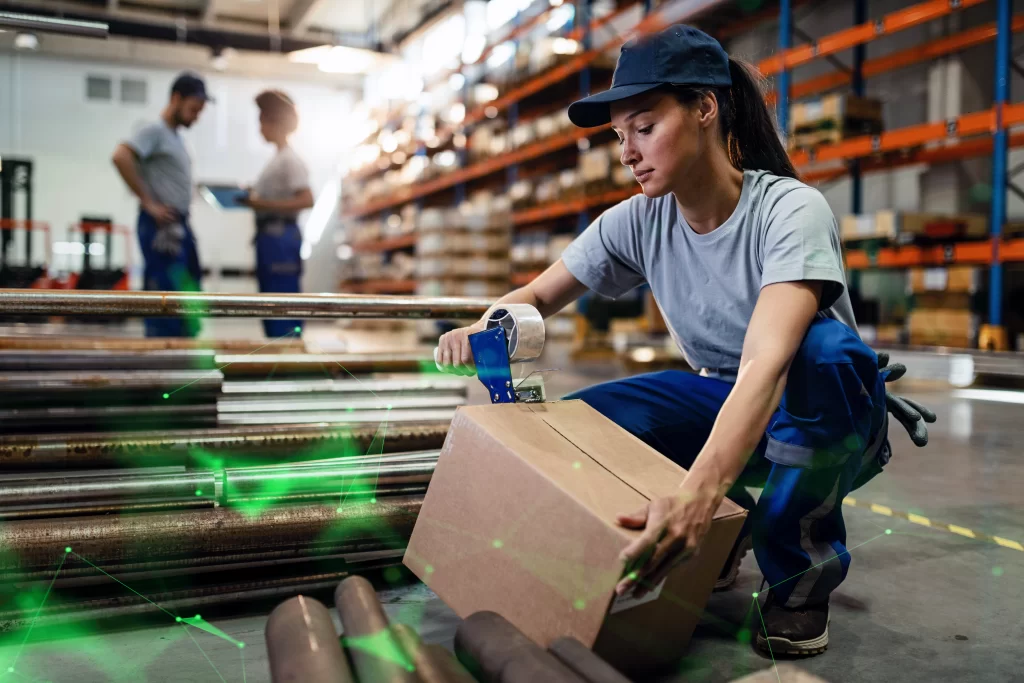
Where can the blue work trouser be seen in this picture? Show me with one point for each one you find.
(279, 268)
(170, 267)
(828, 436)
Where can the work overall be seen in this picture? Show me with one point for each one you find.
(828, 437)
(279, 266)
(171, 263)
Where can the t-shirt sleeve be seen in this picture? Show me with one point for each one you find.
(802, 243)
(145, 140)
(296, 175)
(606, 257)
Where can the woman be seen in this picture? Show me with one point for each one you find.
(745, 263)
(280, 193)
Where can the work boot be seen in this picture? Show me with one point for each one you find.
(799, 631)
(732, 565)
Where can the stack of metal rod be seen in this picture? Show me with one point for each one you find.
(198, 475)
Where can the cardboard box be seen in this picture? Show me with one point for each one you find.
(909, 225)
(864, 226)
(952, 279)
(942, 327)
(520, 517)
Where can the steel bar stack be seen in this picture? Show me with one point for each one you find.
(148, 476)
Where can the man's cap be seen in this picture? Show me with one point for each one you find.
(678, 55)
(190, 85)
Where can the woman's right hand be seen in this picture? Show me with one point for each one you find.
(454, 354)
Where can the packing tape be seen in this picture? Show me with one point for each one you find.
(524, 329)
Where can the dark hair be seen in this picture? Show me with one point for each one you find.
(748, 127)
(278, 107)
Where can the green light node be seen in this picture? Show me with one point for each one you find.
(373, 500)
(755, 595)
(579, 604)
(888, 532)
(497, 543)
(10, 669)
(167, 396)
(997, 571)
(68, 549)
(410, 667)
(177, 619)
(198, 617)
(392, 575)
(298, 329)
(241, 646)
(429, 569)
(338, 510)
(632, 576)
(576, 465)
(199, 492)
(743, 635)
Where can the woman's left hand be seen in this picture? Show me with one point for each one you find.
(673, 528)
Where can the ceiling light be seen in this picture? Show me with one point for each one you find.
(501, 54)
(473, 48)
(457, 113)
(560, 17)
(26, 41)
(337, 59)
(564, 46)
(485, 92)
(456, 81)
(555, 3)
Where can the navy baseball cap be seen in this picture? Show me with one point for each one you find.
(190, 85)
(678, 55)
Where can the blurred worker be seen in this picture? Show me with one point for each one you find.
(157, 169)
(280, 193)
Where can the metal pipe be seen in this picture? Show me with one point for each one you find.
(303, 646)
(236, 365)
(130, 538)
(433, 664)
(390, 416)
(39, 342)
(67, 27)
(1004, 38)
(783, 78)
(156, 381)
(125, 417)
(277, 404)
(584, 662)
(172, 447)
(368, 637)
(55, 361)
(209, 305)
(494, 650)
(345, 386)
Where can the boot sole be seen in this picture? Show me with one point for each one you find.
(785, 646)
(734, 571)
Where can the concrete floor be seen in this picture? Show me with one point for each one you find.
(919, 605)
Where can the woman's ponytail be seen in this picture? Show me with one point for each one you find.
(749, 126)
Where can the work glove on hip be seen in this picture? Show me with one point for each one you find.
(911, 414)
(168, 239)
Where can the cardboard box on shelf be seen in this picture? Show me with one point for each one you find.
(942, 327)
(961, 279)
(520, 519)
(865, 226)
(906, 226)
(833, 117)
(594, 166)
(946, 300)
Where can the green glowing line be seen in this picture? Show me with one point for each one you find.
(845, 552)
(199, 623)
(376, 476)
(369, 451)
(272, 341)
(124, 584)
(24, 640)
(323, 353)
(241, 651)
(204, 654)
(774, 665)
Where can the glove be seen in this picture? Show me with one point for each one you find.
(911, 414)
(168, 239)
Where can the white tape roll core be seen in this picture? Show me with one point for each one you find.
(524, 329)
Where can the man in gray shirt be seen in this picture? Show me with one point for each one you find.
(155, 165)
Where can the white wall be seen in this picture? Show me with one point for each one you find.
(45, 116)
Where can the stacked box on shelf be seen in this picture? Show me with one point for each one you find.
(905, 227)
(943, 314)
(832, 118)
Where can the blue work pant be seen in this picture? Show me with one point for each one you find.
(170, 266)
(828, 436)
(279, 268)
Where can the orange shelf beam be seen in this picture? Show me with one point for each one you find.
(522, 279)
(894, 22)
(387, 244)
(898, 60)
(560, 209)
(476, 170)
(964, 253)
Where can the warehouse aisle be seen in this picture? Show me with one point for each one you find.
(921, 604)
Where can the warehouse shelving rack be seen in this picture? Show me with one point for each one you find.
(969, 136)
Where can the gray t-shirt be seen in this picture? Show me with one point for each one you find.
(282, 177)
(707, 285)
(164, 164)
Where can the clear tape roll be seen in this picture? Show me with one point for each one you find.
(524, 329)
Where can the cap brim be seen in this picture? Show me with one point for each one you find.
(596, 110)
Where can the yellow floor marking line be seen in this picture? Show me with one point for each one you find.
(941, 526)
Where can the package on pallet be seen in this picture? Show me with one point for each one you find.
(523, 134)
(622, 176)
(910, 225)
(483, 267)
(496, 242)
(547, 190)
(943, 327)
(556, 245)
(430, 243)
(961, 279)
(595, 167)
(480, 140)
(432, 267)
(403, 265)
(520, 252)
(432, 219)
(865, 226)
(521, 194)
(833, 117)
(546, 126)
(881, 334)
(539, 248)
(569, 184)
(520, 518)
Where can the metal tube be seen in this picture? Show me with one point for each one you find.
(584, 662)
(68, 27)
(82, 490)
(330, 480)
(156, 381)
(1004, 38)
(328, 417)
(303, 646)
(783, 77)
(54, 361)
(41, 342)
(125, 417)
(345, 386)
(172, 447)
(433, 664)
(278, 404)
(130, 538)
(368, 637)
(208, 305)
(317, 364)
(494, 650)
